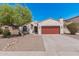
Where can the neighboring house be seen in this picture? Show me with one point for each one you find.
(74, 19)
(48, 26)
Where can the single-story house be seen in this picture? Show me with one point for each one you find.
(48, 26)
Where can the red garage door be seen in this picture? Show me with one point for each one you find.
(50, 30)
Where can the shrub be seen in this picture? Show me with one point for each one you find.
(6, 33)
(73, 28)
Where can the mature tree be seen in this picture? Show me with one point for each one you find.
(6, 13)
(10, 15)
(22, 15)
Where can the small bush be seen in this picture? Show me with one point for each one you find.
(73, 28)
(6, 33)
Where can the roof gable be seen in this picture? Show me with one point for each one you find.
(50, 22)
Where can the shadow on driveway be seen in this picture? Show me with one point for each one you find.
(73, 36)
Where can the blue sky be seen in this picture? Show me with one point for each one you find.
(54, 10)
(42, 11)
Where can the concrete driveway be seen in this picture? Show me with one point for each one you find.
(61, 45)
(55, 45)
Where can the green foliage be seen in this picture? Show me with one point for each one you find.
(73, 28)
(17, 14)
(22, 15)
(6, 13)
(6, 33)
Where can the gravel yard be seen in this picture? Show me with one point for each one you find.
(23, 43)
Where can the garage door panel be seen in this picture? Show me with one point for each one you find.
(50, 30)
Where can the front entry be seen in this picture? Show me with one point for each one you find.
(36, 29)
